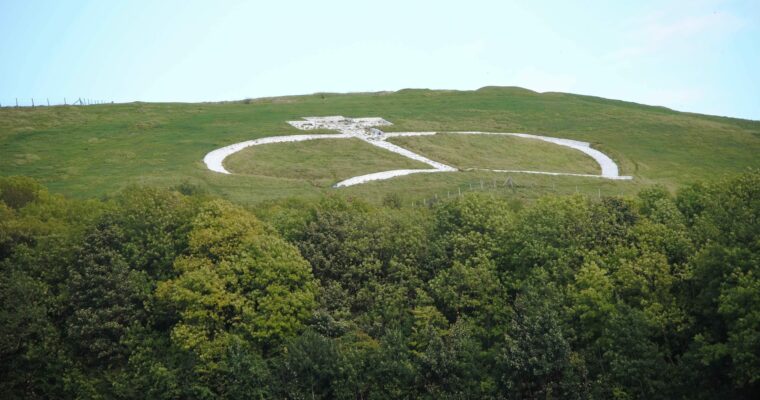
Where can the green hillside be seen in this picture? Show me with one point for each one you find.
(321, 162)
(499, 152)
(88, 151)
(140, 281)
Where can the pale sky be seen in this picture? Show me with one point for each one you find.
(699, 56)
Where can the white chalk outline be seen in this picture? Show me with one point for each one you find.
(364, 129)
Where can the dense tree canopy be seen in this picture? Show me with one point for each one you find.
(174, 294)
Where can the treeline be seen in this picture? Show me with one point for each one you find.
(171, 294)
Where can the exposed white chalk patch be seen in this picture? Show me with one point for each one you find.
(332, 118)
(370, 121)
(353, 126)
(410, 154)
(377, 176)
(404, 134)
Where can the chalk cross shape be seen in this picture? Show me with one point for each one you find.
(367, 130)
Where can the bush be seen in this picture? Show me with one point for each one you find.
(18, 191)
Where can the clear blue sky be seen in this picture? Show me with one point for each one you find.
(700, 56)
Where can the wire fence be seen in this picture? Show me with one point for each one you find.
(19, 102)
(497, 187)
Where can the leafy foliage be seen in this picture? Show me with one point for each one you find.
(165, 294)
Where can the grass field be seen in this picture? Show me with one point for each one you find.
(95, 150)
(321, 162)
(499, 152)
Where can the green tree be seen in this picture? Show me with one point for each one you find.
(310, 368)
(155, 225)
(239, 281)
(536, 359)
(18, 191)
(106, 298)
(721, 296)
(448, 365)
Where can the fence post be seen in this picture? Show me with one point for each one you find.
(16, 102)
(48, 101)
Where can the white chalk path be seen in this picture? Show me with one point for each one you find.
(609, 168)
(362, 128)
(410, 154)
(518, 171)
(215, 159)
(377, 176)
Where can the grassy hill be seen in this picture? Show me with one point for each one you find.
(321, 162)
(499, 152)
(94, 150)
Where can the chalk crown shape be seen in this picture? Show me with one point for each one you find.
(365, 128)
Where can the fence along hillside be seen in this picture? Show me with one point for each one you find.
(46, 102)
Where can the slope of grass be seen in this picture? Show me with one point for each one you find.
(321, 162)
(94, 150)
(499, 152)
